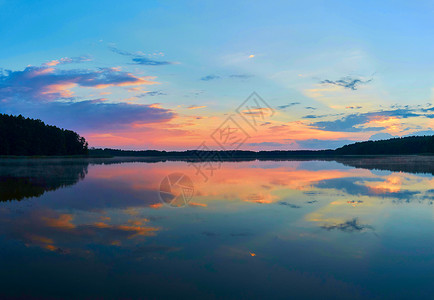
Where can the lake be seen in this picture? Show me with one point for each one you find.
(350, 228)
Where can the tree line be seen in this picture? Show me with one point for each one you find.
(27, 137)
(394, 146)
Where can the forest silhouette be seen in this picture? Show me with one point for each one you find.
(26, 137)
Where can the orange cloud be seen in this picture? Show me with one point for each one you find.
(196, 106)
(197, 204)
(61, 221)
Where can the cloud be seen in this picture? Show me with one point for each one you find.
(67, 60)
(281, 107)
(47, 83)
(355, 187)
(152, 94)
(314, 116)
(345, 124)
(47, 93)
(354, 122)
(95, 114)
(64, 233)
(194, 93)
(214, 77)
(288, 204)
(139, 58)
(196, 106)
(210, 77)
(348, 226)
(241, 76)
(150, 62)
(347, 82)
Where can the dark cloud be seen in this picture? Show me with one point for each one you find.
(241, 76)
(94, 114)
(240, 234)
(352, 186)
(152, 94)
(314, 116)
(194, 93)
(150, 62)
(119, 51)
(348, 226)
(140, 59)
(43, 93)
(347, 82)
(210, 77)
(428, 109)
(281, 107)
(350, 122)
(346, 124)
(46, 83)
(284, 203)
(310, 107)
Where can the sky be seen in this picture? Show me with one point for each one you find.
(258, 75)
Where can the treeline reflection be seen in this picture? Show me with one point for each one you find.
(21, 179)
(27, 178)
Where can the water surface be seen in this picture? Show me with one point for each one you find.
(353, 228)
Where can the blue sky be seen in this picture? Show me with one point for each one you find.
(366, 66)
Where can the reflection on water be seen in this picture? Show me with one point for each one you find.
(255, 229)
(20, 178)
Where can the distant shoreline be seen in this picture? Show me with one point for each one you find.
(237, 158)
(415, 145)
(412, 163)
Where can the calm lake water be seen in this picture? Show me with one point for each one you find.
(347, 229)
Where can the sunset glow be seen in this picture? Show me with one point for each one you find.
(132, 92)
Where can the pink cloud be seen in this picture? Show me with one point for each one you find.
(48, 83)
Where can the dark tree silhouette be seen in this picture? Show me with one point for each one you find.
(395, 146)
(25, 136)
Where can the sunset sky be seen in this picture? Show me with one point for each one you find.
(167, 74)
